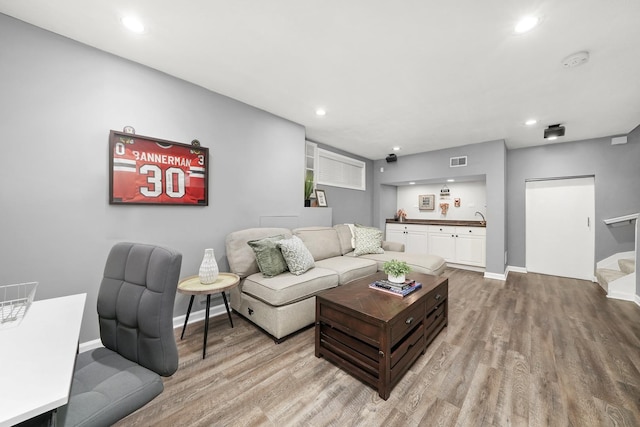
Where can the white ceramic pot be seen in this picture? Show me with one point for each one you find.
(396, 279)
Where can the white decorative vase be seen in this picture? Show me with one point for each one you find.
(209, 268)
(396, 279)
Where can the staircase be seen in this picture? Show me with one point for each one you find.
(617, 275)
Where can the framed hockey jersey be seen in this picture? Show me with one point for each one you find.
(152, 171)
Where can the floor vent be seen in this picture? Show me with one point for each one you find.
(456, 162)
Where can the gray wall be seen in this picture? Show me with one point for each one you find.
(486, 159)
(617, 178)
(59, 99)
(350, 206)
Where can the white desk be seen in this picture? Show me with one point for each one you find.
(37, 359)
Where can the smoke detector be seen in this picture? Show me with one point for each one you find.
(576, 59)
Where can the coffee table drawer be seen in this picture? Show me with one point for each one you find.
(406, 322)
(437, 296)
(367, 332)
(416, 337)
(435, 322)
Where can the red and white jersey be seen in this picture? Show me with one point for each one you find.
(149, 172)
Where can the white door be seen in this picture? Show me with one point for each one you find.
(560, 236)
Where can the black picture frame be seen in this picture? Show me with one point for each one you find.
(144, 170)
(321, 197)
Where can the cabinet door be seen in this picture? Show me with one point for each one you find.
(443, 244)
(395, 233)
(470, 250)
(416, 242)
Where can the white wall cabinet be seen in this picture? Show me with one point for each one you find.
(459, 245)
(413, 236)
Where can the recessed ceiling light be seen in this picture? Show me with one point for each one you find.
(321, 112)
(525, 24)
(412, 183)
(451, 180)
(133, 24)
(552, 138)
(531, 122)
(396, 148)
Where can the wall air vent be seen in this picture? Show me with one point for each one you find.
(456, 162)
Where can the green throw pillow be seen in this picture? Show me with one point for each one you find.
(296, 254)
(268, 255)
(368, 240)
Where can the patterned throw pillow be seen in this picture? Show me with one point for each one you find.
(368, 240)
(296, 254)
(268, 255)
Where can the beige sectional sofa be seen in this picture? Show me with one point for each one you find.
(284, 304)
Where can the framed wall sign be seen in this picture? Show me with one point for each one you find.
(322, 198)
(152, 171)
(427, 202)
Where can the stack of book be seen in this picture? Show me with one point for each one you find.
(398, 289)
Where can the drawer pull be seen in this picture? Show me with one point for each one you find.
(438, 297)
(409, 320)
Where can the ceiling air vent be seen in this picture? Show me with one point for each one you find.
(456, 162)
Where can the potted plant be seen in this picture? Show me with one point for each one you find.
(396, 270)
(308, 188)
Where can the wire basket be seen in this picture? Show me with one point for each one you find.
(15, 301)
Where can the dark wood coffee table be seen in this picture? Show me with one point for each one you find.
(374, 336)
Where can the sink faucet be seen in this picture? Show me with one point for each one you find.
(480, 213)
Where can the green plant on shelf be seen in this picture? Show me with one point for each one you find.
(308, 185)
(396, 268)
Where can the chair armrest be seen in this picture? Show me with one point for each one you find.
(393, 246)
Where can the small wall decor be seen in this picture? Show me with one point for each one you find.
(456, 202)
(444, 191)
(444, 207)
(427, 202)
(152, 171)
(322, 198)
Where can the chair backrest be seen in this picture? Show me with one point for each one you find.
(135, 305)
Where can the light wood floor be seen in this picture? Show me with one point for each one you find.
(532, 351)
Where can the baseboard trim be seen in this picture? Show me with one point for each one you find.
(178, 322)
(496, 276)
(517, 269)
(637, 300)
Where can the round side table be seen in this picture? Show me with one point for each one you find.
(192, 286)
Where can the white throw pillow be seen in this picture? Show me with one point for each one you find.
(296, 254)
(368, 240)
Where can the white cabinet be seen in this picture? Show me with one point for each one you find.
(413, 236)
(459, 245)
(442, 242)
(471, 246)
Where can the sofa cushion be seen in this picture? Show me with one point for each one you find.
(286, 288)
(242, 259)
(323, 242)
(268, 255)
(419, 263)
(368, 240)
(296, 254)
(349, 268)
(344, 237)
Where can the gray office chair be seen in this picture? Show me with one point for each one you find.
(135, 310)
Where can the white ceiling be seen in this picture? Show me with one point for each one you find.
(420, 74)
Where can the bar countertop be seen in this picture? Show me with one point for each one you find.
(453, 223)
